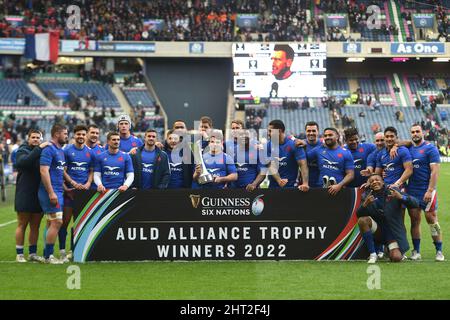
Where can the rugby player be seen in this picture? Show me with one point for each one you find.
(360, 153)
(78, 176)
(335, 163)
(127, 140)
(218, 163)
(113, 168)
(397, 169)
(422, 185)
(380, 217)
(151, 165)
(52, 165)
(284, 169)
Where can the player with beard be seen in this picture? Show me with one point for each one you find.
(360, 152)
(78, 176)
(52, 164)
(335, 162)
(284, 160)
(92, 139)
(312, 141)
(26, 204)
(151, 164)
(181, 168)
(422, 185)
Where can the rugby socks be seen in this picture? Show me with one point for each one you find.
(32, 249)
(19, 249)
(438, 245)
(416, 245)
(62, 236)
(368, 239)
(45, 239)
(48, 250)
(379, 248)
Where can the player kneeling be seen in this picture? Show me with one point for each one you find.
(380, 218)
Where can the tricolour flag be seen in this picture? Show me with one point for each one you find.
(42, 46)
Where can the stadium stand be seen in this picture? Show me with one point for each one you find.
(374, 121)
(100, 92)
(15, 93)
(295, 119)
(178, 20)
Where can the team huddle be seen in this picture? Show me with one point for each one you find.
(394, 175)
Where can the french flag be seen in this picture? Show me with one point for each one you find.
(42, 46)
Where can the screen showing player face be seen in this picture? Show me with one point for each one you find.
(271, 70)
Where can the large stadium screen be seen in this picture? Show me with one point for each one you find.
(271, 70)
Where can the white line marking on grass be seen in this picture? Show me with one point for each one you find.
(7, 223)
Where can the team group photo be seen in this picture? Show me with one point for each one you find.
(224, 150)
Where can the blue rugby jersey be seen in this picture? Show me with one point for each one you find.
(393, 167)
(113, 168)
(79, 162)
(332, 162)
(53, 157)
(422, 157)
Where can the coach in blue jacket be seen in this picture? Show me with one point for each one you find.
(151, 165)
(26, 204)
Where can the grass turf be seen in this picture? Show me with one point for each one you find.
(228, 280)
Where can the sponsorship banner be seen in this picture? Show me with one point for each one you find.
(336, 20)
(12, 44)
(125, 46)
(248, 21)
(423, 20)
(198, 224)
(154, 24)
(431, 48)
(196, 47)
(15, 21)
(77, 45)
(351, 47)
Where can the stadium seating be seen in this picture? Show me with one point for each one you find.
(415, 85)
(193, 21)
(295, 120)
(10, 88)
(139, 96)
(103, 92)
(384, 117)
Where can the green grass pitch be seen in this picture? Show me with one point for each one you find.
(426, 279)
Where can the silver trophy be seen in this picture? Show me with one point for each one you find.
(205, 177)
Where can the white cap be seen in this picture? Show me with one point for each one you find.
(124, 117)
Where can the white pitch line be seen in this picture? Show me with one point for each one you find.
(7, 223)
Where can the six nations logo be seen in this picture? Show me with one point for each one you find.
(228, 206)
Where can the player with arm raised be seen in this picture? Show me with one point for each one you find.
(380, 217)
